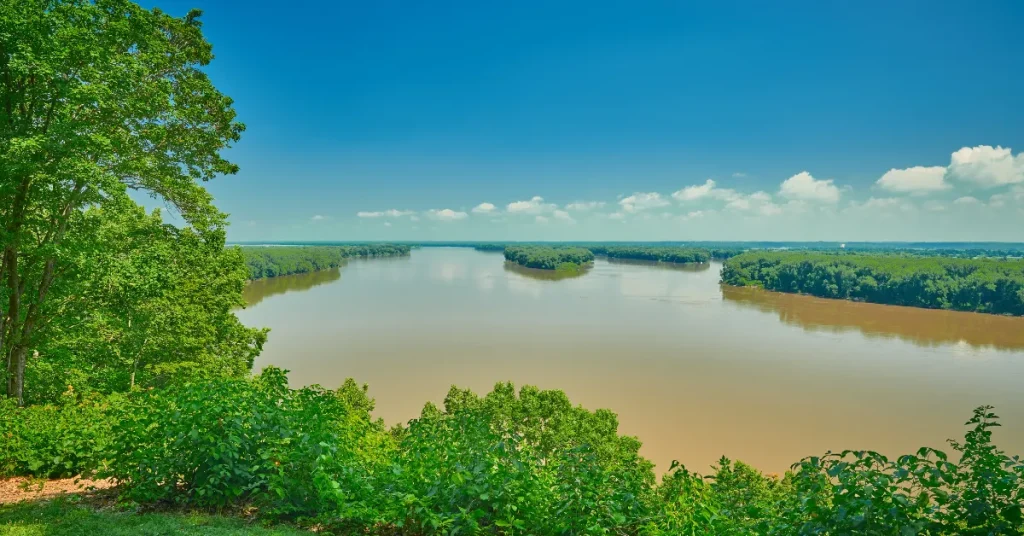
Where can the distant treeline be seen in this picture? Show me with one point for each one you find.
(654, 253)
(549, 258)
(979, 285)
(677, 255)
(273, 261)
(489, 247)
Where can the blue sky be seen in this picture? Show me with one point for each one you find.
(590, 120)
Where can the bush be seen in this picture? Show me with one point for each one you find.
(508, 463)
(518, 463)
(63, 440)
(234, 441)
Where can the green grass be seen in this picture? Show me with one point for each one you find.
(61, 517)
(569, 268)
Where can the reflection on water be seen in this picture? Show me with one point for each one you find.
(923, 327)
(542, 275)
(256, 291)
(694, 370)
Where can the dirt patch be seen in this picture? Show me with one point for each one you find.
(22, 489)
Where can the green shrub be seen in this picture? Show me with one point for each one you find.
(507, 463)
(55, 440)
(234, 441)
(866, 493)
(526, 463)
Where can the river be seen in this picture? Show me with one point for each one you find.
(694, 369)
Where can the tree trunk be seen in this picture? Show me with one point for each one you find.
(15, 381)
(16, 374)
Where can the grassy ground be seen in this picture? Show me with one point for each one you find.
(64, 518)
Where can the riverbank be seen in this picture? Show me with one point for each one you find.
(266, 262)
(972, 285)
(559, 273)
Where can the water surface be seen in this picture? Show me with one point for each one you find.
(695, 370)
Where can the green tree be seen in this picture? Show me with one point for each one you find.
(96, 98)
(148, 304)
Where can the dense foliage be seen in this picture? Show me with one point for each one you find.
(679, 255)
(721, 254)
(273, 261)
(549, 258)
(139, 302)
(981, 285)
(489, 247)
(526, 462)
(99, 98)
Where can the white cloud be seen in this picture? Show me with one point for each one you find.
(563, 216)
(541, 219)
(877, 202)
(584, 206)
(387, 224)
(391, 213)
(986, 166)
(883, 204)
(918, 180)
(966, 200)
(414, 218)
(642, 201)
(804, 186)
(694, 192)
(446, 214)
(1015, 194)
(760, 202)
(695, 214)
(762, 196)
(739, 175)
(616, 216)
(739, 203)
(318, 218)
(535, 205)
(934, 206)
(800, 206)
(483, 208)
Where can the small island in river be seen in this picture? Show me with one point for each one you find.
(566, 261)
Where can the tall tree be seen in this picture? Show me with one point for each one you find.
(97, 97)
(144, 303)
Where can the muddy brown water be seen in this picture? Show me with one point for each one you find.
(694, 369)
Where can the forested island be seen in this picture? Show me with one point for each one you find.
(273, 261)
(675, 255)
(547, 257)
(978, 285)
(566, 260)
